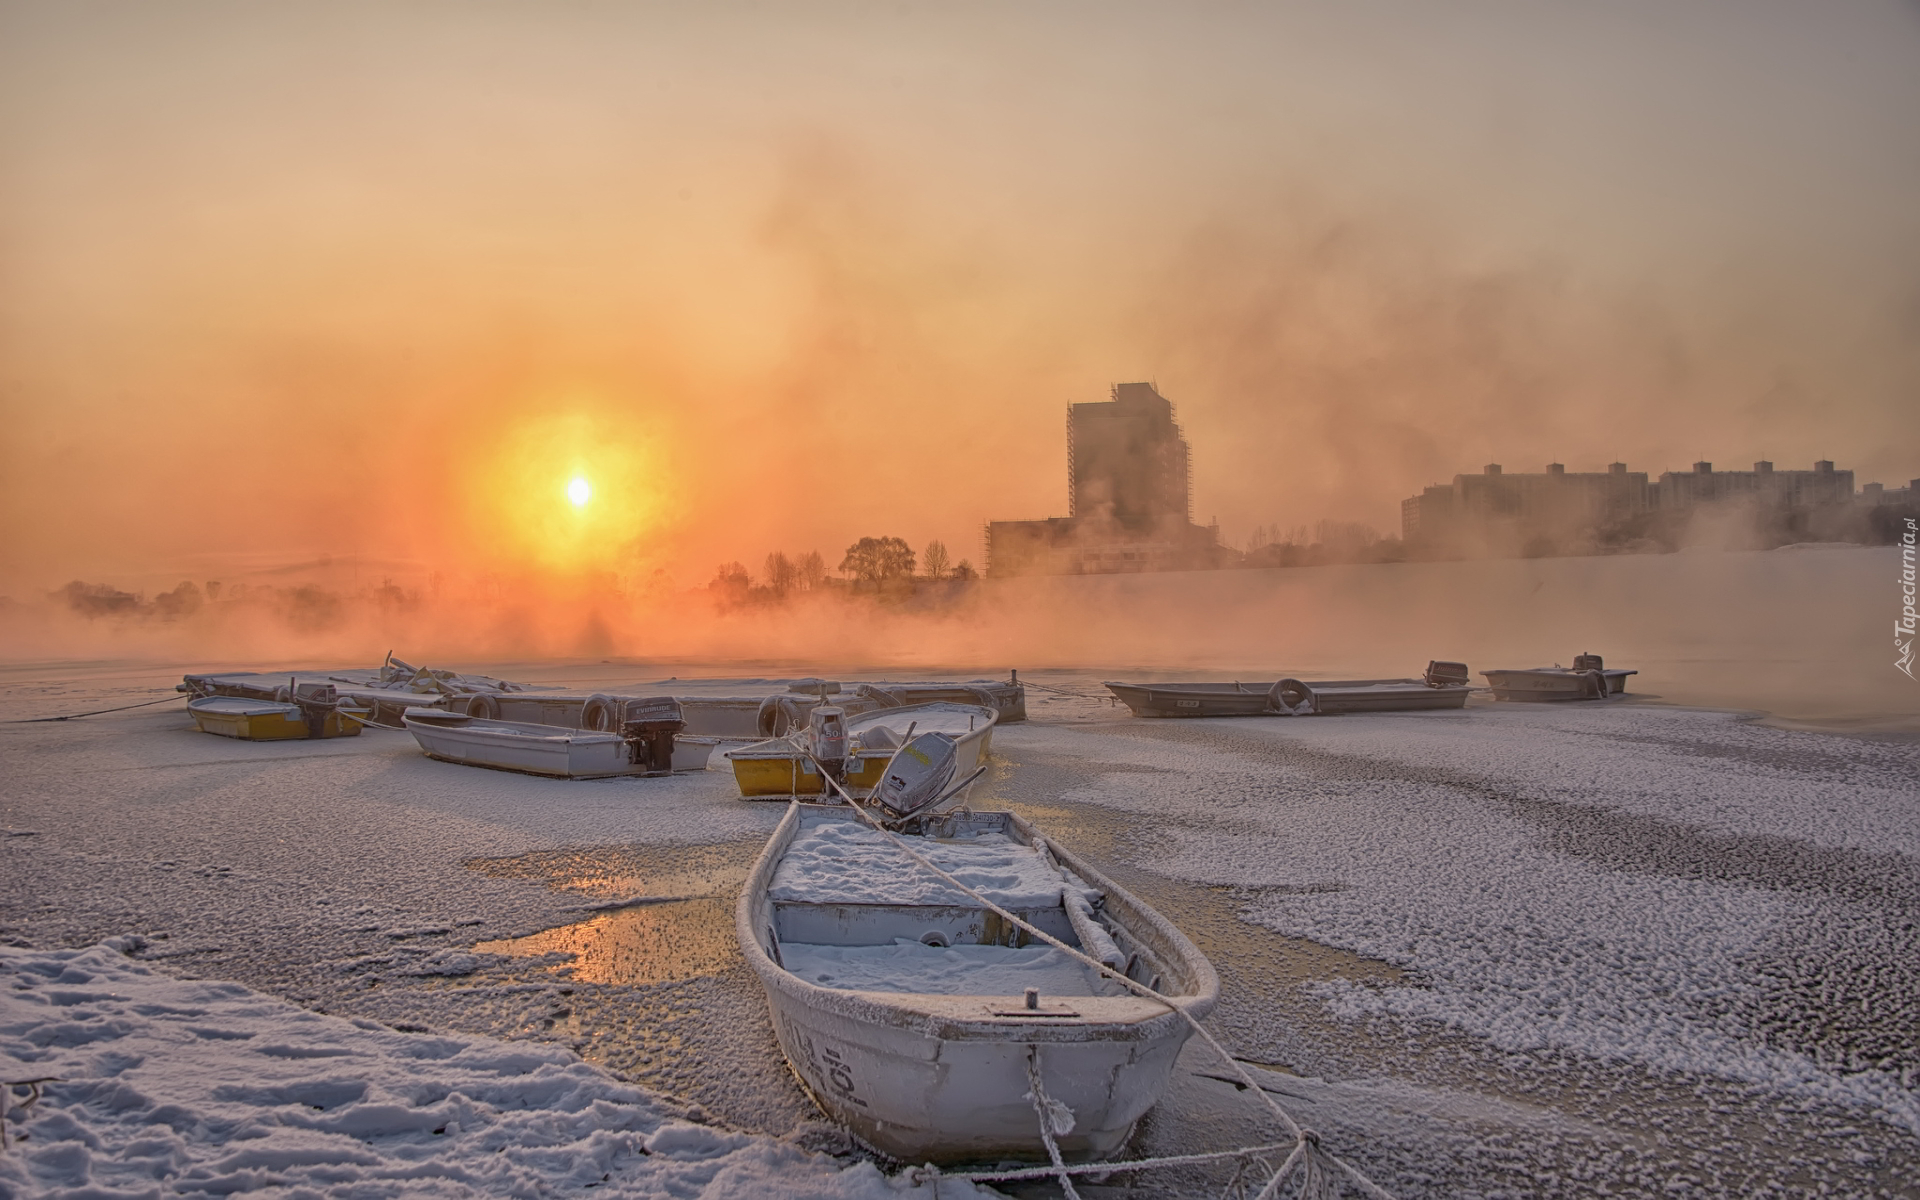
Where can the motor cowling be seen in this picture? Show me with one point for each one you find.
(1447, 674)
(649, 727)
(1588, 662)
(316, 702)
(918, 774)
(827, 738)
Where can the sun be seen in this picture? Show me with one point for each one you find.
(579, 491)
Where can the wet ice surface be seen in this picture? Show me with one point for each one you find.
(1511, 950)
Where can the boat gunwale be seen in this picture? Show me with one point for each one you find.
(917, 1012)
(1218, 690)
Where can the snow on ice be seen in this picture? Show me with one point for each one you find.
(204, 1088)
(1419, 842)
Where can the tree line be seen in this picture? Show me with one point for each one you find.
(871, 562)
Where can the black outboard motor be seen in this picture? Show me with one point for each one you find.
(316, 702)
(648, 727)
(1447, 674)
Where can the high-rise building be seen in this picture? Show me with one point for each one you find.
(1126, 460)
(1129, 494)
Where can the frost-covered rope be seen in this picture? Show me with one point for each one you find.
(1062, 691)
(1306, 1142)
(6, 1099)
(96, 712)
(1044, 1107)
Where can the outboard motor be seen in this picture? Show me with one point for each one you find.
(918, 774)
(648, 727)
(1447, 674)
(827, 739)
(316, 702)
(1588, 662)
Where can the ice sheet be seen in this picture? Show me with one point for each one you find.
(1620, 882)
(844, 862)
(910, 966)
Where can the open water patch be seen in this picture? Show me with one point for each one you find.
(637, 944)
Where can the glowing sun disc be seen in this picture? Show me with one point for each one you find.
(579, 491)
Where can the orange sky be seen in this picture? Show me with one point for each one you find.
(292, 280)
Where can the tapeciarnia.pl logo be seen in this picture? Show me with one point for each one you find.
(1903, 628)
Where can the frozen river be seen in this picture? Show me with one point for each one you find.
(1509, 950)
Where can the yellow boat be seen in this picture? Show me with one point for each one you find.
(267, 720)
(780, 768)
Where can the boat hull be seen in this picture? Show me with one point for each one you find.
(1252, 699)
(944, 1078)
(265, 722)
(1549, 685)
(957, 1094)
(777, 769)
(552, 751)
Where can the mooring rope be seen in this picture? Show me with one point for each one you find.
(1044, 1106)
(1306, 1143)
(1063, 691)
(6, 1099)
(96, 712)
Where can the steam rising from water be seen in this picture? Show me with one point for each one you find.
(372, 284)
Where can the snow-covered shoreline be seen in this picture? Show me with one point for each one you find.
(182, 1087)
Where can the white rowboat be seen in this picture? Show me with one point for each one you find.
(542, 749)
(912, 1014)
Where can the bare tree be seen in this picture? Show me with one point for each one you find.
(963, 571)
(935, 559)
(781, 573)
(1345, 535)
(811, 571)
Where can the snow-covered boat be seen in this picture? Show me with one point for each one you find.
(1587, 679)
(1445, 685)
(736, 717)
(555, 750)
(273, 720)
(912, 1014)
(1006, 697)
(780, 767)
(386, 692)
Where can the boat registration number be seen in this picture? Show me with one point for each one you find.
(831, 1070)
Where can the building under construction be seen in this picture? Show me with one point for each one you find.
(1129, 499)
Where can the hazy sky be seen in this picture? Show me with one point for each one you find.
(280, 280)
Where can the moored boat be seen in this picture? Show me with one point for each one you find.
(642, 747)
(273, 720)
(913, 1014)
(781, 767)
(1588, 678)
(1444, 685)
